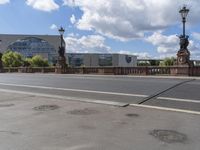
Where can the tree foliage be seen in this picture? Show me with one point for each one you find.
(37, 61)
(168, 61)
(154, 62)
(143, 63)
(12, 59)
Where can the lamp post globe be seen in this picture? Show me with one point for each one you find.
(61, 31)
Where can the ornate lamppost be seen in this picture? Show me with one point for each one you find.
(183, 55)
(61, 51)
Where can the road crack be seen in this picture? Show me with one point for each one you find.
(161, 92)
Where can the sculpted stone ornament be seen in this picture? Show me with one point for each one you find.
(184, 42)
(61, 57)
(183, 55)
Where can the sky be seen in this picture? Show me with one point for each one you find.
(146, 28)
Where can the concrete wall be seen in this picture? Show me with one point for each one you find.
(91, 60)
(115, 60)
(7, 39)
(127, 60)
(118, 60)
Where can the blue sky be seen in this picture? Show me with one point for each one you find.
(146, 28)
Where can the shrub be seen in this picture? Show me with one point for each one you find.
(12, 59)
(38, 61)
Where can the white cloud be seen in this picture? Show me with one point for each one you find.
(194, 49)
(43, 5)
(69, 2)
(53, 27)
(196, 35)
(130, 19)
(168, 46)
(73, 19)
(4, 1)
(165, 44)
(87, 44)
(73, 34)
(142, 55)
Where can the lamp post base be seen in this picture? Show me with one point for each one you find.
(61, 65)
(183, 58)
(61, 62)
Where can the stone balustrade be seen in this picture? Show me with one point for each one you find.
(150, 70)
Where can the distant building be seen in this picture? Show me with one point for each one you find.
(31, 45)
(98, 60)
(47, 46)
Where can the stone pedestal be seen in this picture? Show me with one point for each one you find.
(183, 58)
(61, 65)
(61, 62)
(180, 70)
(59, 70)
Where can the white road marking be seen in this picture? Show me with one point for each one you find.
(120, 104)
(166, 109)
(179, 99)
(75, 90)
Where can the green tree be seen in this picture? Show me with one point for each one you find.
(12, 59)
(38, 61)
(168, 61)
(154, 62)
(143, 63)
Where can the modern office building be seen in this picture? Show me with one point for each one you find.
(98, 60)
(47, 46)
(31, 45)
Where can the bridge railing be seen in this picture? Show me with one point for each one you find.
(150, 70)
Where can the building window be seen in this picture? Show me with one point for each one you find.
(31, 45)
(105, 60)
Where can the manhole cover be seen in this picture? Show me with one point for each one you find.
(85, 111)
(132, 115)
(46, 107)
(169, 136)
(6, 105)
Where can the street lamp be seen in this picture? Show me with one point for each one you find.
(183, 55)
(184, 12)
(61, 58)
(61, 31)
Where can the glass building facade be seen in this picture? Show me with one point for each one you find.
(101, 60)
(32, 46)
(76, 60)
(105, 60)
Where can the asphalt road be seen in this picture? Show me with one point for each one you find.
(29, 122)
(44, 112)
(177, 93)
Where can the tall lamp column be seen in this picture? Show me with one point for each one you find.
(61, 51)
(183, 55)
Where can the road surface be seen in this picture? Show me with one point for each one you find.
(175, 93)
(49, 112)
